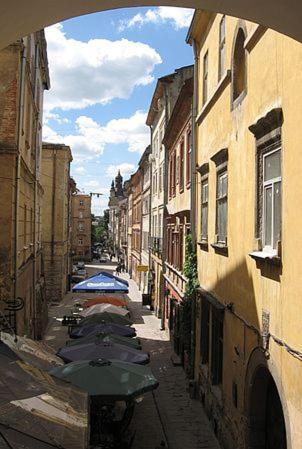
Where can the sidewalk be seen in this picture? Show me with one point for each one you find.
(168, 414)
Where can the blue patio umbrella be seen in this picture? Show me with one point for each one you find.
(104, 350)
(102, 282)
(106, 328)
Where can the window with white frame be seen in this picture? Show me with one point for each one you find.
(80, 241)
(160, 178)
(221, 48)
(204, 209)
(222, 206)
(268, 216)
(271, 232)
(81, 226)
(81, 215)
(81, 203)
(160, 224)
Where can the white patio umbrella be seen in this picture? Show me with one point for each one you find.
(100, 308)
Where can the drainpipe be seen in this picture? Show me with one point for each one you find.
(17, 173)
(53, 203)
(150, 202)
(194, 149)
(164, 241)
(36, 143)
(193, 198)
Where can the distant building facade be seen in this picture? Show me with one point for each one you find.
(135, 261)
(145, 167)
(178, 144)
(161, 106)
(117, 198)
(23, 77)
(56, 219)
(81, 227)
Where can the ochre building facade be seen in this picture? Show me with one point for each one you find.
(23, 78)
(248, 360)
(56, 219)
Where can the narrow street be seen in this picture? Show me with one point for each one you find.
(168, 415)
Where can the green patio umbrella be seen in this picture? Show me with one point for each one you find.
(108, 379)
(132, 342)
(105, 317)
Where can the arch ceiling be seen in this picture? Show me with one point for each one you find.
(20, 17)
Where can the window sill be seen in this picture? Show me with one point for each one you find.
(220, 248)
(203, 244)
(238, 100)
(263, 256)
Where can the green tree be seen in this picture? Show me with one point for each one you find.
(187, 311)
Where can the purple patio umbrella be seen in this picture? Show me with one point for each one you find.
(106, 328)
(104, 350)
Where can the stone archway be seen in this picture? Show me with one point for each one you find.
(266, 422)
(17, 19)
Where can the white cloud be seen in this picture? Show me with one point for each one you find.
(95, 72)
(91, 138)
(47, 116)
(178, 17)
(125, 168)
(79, 170)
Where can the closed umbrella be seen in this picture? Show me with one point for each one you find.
(112, 380)
(104, 350)
(107, 328)
(106, 317)
(132, 342)
(99, 308)
(105, 299)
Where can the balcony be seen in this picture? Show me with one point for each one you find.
(156, 245)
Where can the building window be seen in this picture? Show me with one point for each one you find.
(80, 241)
(271, 199)
(174, 175)
(81, 203)
(160, 179)
(221, 68)
(205, 77)
(222, 207)
(204, 332)
(81, 215)
(188, 158)
(239, 66)
(204, 209)
(221, 159)
(181, 165)
(81, 226)
(267, 132)
(216, 347)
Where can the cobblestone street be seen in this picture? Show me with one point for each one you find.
(168, 415)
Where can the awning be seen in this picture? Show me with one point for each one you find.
(38, 410)
(102, 282)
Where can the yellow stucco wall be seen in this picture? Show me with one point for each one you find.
(274, 68)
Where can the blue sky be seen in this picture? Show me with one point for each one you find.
(103, 70)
